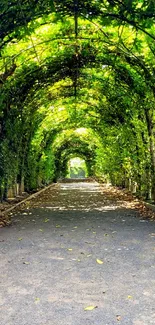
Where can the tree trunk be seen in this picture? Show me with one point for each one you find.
(5, 192)
(150, 127)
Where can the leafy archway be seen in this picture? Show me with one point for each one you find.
(70, 65)
(76, 168)
(81, 142)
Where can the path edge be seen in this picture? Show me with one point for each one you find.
(30, 197)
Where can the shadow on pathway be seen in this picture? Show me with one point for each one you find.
(49, 267)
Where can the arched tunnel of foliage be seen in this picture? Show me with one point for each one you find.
(76, 167)
(77, 79)
(80, 142)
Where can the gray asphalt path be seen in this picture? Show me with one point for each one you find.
(78, 249)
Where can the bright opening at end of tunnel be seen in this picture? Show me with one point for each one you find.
(77, 168)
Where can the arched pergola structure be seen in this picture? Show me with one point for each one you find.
(73, 66)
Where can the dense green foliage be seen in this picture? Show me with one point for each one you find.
(77, 80)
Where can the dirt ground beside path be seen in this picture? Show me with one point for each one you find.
(78, 255)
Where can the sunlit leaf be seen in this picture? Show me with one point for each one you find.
(37, 300)
(46, 220)
(27, 263)
(90, 308)
(99, 261)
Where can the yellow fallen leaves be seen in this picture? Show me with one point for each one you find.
(37, 300)
(90, 308)
(130, 297)
(20, 238)
(99, 261)
(46, 220)
(57, 226)
(70, 249)
(27, 263)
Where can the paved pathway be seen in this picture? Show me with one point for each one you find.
(49, 267)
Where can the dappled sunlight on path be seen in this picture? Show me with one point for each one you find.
(86, 196)
(78, 246)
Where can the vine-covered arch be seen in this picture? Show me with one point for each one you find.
(93, 69)
(62, 160)
(81, 142)
(79, 162)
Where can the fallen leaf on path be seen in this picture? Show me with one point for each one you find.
(75, 227)
(58, 226)
(99, 261)
(118, 317)
(130, 297)
(70, 249)
(26, 263)
(90, 308)
(37, 300)
(46, 220)
(20, 238)
(89, 255)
